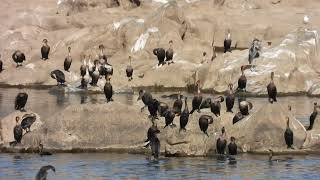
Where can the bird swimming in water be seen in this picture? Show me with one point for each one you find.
(67, 61)
(27, 121)
(232, 147)
(227, 42)
(108, 91)
(83, 67)
(45, 50)
(197, 99)
(177, 105)
(204, 122)
(43, 172)
(272, 90)
(288, 135)
(161, 55)
(146, 98)
(17, 132)
(184, 117)
(215, 106)
(313, 116)
(129, 70)
(21, 101)
(58, 76)
(242, 81)
(42, 152)
(18, 57)
(230, 97)
(221, 142)
(169, 53)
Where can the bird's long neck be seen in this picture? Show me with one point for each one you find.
(242, 72)
(229, 36)
(69, 52)
(185, 103)
(101, 52)
(130, 61)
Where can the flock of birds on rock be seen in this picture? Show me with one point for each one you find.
(100, 67)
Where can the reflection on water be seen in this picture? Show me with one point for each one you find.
(125, 166)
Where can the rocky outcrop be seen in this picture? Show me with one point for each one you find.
(313, 136)
(138, 31)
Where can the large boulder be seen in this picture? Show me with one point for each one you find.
(313, 136)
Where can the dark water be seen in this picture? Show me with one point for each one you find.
(124, 166)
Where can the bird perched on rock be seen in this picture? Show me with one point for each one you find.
(288, 135)
(21, 101)
(27, 121)
(45, 50)
(68, 61)
(17, 132)
(18, 57)
(129, 70)
(58, 76)
(204, 122)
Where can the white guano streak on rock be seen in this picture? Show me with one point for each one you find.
(30, 66)
(142, 40)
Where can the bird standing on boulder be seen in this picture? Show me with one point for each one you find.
(288, 135)
(169, 53)
(108, 91)
(129, 70)
(161, 55)
(242, 81)
(204, 122)
(45, 50)
(17, 131)
(153, 141)
(146, 98)
(221, 142)
(177, 105)
(169, 116)
(18, 57)
(1, 65)
(230, 97)
(95, 77)
(42, 173)
(58, 76)
(272, 90)
(21, 101)
(197, 99)
(232, 147)
(227, 42)
(67, 61)
(184, 117)
(83, 67)
(313, 116)
(27, 121)
(153, 108)
(215, 106)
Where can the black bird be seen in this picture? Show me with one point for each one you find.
(206, 103)
(169, 116)
(83, 67)
(59, 76)
(197, 99)
(242, 81)
(232, 147)
(146, 98)
(151, 134)
(230, 97)
(95, 77)
(136, 2)
(215, 106)
(169, 53)
(177, 105)
(45, 50)
(1, 65)
(244, 107)
(272, 90)
(67, 60)
(21, 101)
(204, 122)
(221, 142)
(129, 70)
(227, 43)
(42, 173)
(161, 55)
(288, 135)
(43, 153)
(237, 117)
(17, 131)
(27, 121)
(108, 91)
(155, 148)
(313, 116)
(18, 57)
(184, 117)
(153, 108)
(162, 109)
